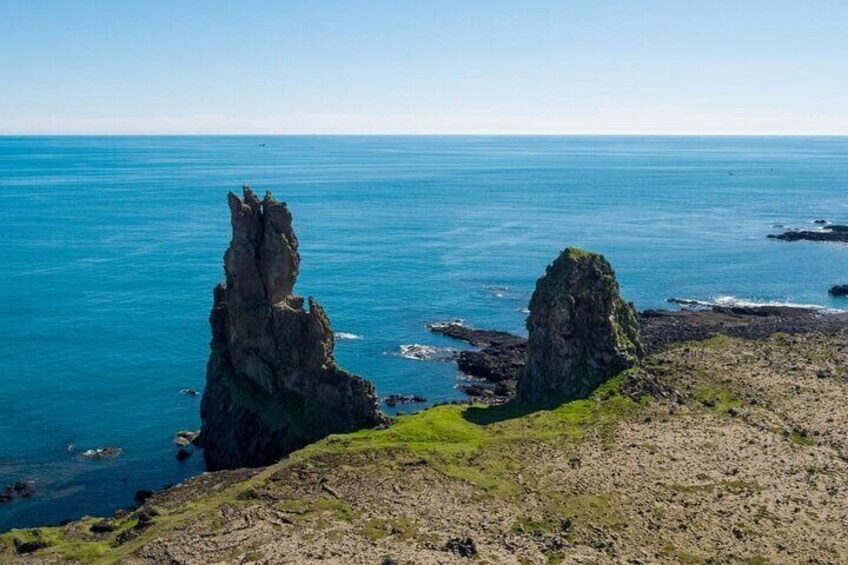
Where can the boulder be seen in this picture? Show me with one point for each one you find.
(580, 330)
(272, 383)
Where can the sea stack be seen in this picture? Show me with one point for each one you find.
(272, 384)
(581, 332)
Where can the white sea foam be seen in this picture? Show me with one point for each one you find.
(420, 352)
(735, 302)
(343, 336)
(443, 325)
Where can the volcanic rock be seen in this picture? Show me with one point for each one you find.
(394, 399)
(581, 332)
(839, 290)
(501, 359)
(832, 233)
(273, 385)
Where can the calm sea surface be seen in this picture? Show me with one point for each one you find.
(110, 247)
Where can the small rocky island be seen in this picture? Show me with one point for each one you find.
(273, 385)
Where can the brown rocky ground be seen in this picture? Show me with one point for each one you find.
(720, 451)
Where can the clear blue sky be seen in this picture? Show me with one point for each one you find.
(431, 66)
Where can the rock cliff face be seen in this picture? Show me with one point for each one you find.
(273, 385)
(581, 332)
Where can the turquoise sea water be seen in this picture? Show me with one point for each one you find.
(110, 248)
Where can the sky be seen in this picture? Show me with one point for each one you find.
(424, 67)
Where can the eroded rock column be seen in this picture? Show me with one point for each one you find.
(273, 385)
(581, 332)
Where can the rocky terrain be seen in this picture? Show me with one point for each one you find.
(726, 450)
(273, 385)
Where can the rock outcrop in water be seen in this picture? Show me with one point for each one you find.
(273, 385)
(832, 233)
(839, 290)
(581, 332)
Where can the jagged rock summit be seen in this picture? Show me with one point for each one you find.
(272, 384)
(581, 332)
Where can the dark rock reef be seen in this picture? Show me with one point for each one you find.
(273, 385)
(580, 331)
(398, 399)
(501, 358)
(833, 233)
(839, 290)
(662, 328)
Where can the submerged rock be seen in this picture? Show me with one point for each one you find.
(394, 399)
(273, 385)
(581, 332)
(184, 438)
(21, 489)
(102, 452)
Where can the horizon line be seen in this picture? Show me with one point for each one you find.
(429, 134)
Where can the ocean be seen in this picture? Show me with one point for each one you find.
(110, 247)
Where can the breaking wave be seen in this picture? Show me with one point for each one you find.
(419, 352)
(728, 301)
(346, 336)
(443, 325)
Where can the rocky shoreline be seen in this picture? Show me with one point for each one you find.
(500, 361)
(726, 451)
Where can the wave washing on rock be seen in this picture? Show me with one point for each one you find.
(727, 301)
(418, 352)
(107, 452)
(346, 336)
(435, 326)
(273, 385)
(835, 233)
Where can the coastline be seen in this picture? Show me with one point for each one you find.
(378, 487)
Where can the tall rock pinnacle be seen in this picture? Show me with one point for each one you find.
(581, 332)
(272, 384)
